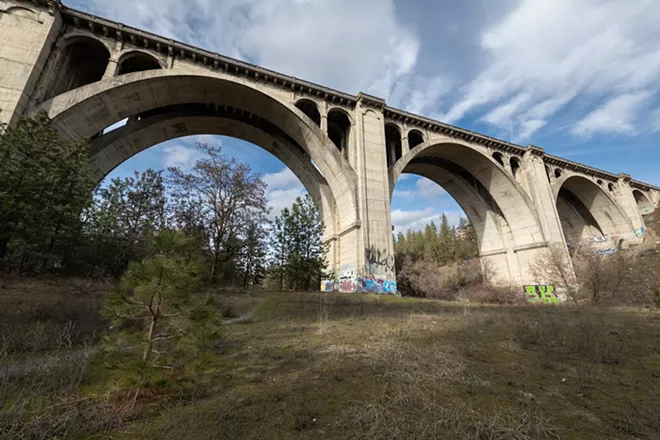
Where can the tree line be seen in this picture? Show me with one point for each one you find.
(54, 220)
(445, 245)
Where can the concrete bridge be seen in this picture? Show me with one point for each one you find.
(88, 73)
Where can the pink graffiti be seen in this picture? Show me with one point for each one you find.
(347, 286)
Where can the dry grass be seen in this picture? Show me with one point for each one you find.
(323, 366)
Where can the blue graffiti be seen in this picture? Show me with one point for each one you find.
(389, 287)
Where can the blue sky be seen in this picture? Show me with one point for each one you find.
(579, 78)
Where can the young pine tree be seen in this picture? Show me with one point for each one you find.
(159, 315)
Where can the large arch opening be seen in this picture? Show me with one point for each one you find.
(506, 228)
(170, 123)
(84, 61)
(339, 130)
(137, 61)
(393, 144)
(643, 203)
(587, 213)
(310, 109)
(284, 128)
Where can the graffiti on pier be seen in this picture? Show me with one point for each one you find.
(608, 251)
(380, 261)
(379, 285)
(540, 294)
(639, 232)
(352, 284)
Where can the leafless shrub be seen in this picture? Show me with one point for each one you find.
(426, 279)
(555, 267)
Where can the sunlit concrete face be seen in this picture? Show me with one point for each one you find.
(88, 73)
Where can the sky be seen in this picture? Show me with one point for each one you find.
(579, 78)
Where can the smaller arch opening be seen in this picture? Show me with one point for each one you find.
(415, 138)
(547, 172)
(339, 128)
(558, 173)
(600, 182)
(515, 168)
(610, 186)
(499, 158)
(643, 204)
(137, 62)
(393, 144)
(310, 109)
(85, 61)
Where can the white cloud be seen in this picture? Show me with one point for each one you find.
(283, 198)
(424, 189)
(428, 188)
(180, 155)
(545, 53)
(417, 220)
(284, 179)
(616, 116)
(283, 189)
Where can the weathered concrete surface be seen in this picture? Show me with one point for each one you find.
(520, 199)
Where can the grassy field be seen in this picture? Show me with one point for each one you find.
(313, 366)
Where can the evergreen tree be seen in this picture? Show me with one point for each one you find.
(253, 256)
(431, 245)
(401, 245)
(447, 242)
(122, 217)
(299, 257)
(158, 312)
(45, 187)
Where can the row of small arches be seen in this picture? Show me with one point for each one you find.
(514, 163)
(86, 60)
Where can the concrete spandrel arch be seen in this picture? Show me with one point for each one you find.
(133, 53)
(90, 109)
(114, 148)
(484, 220)
(515, 206)
(609, 217)
(644, 204)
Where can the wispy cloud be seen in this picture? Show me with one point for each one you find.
(545, 53)
(180, 155)
(616, 116)
(283, 189)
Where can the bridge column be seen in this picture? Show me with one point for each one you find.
(544, 201)
(625, 197)
(377, 269)
(26, 39)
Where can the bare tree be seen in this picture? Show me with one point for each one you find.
(554, 266)
(226, 197)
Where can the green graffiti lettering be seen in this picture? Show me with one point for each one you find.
(531, 295)
(547, 296)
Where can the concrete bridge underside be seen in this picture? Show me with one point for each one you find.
(349, 151)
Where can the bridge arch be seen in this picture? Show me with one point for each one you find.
(310, 109)
(587, 211)
(119, 145)
(644, 204)
(83, 60)
(91, 109)
(137, 60)
(507, 228)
